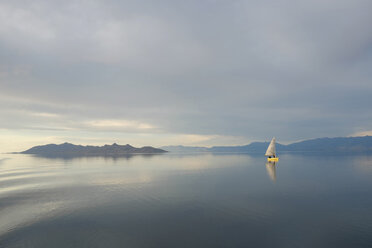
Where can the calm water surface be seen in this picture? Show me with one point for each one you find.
(205, 200)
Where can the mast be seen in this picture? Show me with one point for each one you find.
(271, 150)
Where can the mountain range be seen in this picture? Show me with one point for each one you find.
(79, 150)
(320, 145)
(323, 145)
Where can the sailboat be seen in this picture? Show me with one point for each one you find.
(271, 152)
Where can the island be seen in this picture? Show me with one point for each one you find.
(68, 149)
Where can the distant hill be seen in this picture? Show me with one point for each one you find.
(340, 144)
(185, 149)
(79, 150)
(324, 145)
(253, 148)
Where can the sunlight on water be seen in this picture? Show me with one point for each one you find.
(172, 200)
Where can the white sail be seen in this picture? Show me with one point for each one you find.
(271, 151)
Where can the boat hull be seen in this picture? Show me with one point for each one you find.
(273, 159)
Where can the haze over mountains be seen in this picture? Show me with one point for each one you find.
(324, 145)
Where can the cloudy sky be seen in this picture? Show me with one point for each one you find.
(196, 72)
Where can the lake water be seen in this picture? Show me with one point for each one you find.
(200, 200)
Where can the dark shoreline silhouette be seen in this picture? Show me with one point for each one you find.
(68, 150)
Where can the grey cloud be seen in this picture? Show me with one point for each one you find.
(294, 69)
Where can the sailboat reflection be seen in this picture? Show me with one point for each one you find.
(271, 170)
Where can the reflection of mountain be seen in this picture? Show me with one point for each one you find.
(105, 157)
(271, 170)
(71, 150)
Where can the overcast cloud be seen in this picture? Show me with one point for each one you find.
(210, 72)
